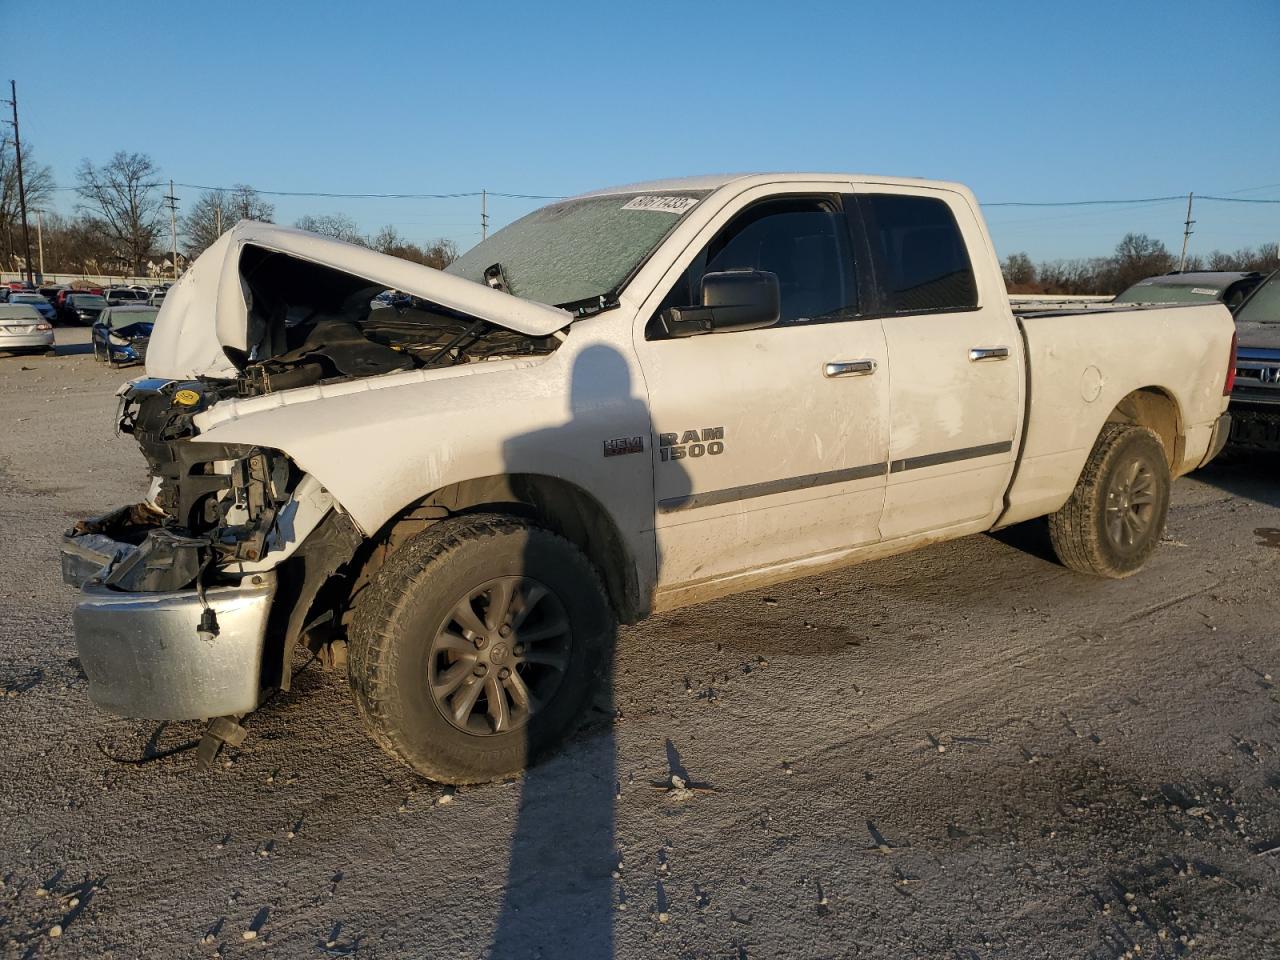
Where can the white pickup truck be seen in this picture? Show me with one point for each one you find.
(624, 402)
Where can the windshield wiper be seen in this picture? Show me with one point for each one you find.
(589, 306)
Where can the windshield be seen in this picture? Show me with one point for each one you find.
(88, 300)
(1264, 305)
(579, 249)
(1147, 292)
(26, 298)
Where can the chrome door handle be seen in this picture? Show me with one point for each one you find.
(849, 368)
(978, 354)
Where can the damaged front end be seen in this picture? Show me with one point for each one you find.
(193, 601)
(176, 611)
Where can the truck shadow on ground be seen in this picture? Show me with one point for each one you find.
(1247, 474)
(1031, 537)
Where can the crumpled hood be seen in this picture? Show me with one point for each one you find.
(1258, 336)
(134, 331)
(206, 310)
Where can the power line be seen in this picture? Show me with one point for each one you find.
(381, 196)
(1238, 199)
(1077, 203)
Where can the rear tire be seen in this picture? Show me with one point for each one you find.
(476, 647)
(1116, 515)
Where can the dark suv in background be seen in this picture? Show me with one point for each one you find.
(1255, 397)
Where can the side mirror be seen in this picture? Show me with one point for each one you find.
(732, 300)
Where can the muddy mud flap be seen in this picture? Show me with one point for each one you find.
(146, 655)
(1218, 439)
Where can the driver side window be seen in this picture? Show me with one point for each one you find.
(802, 240)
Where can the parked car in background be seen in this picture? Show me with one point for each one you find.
(120, 333)
(1255, 395)
(156, 298)
(1223, 286)
(50, 292)
(125, 295)
(18, 285)
(82, 307)
(60, 303)
(43, 306)
(23, 330)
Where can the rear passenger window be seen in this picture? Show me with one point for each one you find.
(923, 264)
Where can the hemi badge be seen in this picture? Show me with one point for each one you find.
(623, 445)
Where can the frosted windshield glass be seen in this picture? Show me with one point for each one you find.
(579, 249)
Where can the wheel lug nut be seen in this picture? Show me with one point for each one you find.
(505, 631)
(481, 642)
(481, 669)
(518, 649)
(504, 673)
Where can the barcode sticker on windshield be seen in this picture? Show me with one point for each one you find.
(1204, 291)
(660, 204)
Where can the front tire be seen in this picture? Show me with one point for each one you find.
(1116, 515)
(477, 646)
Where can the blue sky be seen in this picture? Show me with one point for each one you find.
(1021, 100)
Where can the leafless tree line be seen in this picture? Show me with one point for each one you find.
(1136, 257)
(120, 224)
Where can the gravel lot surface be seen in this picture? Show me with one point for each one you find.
(963, 752)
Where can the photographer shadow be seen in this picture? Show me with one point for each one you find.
(559, 898)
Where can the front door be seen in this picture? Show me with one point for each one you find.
(769, 445)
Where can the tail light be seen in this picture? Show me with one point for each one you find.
(1231, 369)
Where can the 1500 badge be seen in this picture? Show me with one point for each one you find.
(709, 441)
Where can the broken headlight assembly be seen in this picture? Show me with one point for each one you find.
(229, 497)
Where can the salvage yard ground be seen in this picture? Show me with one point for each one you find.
(963, 752)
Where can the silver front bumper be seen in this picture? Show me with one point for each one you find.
(144, 657)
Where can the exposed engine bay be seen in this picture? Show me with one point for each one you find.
(310, 323)
(214, 507)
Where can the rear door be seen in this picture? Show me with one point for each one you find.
(956, 392)
(769, 445)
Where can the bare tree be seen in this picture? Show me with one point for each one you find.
(219, 210)
(38, 180)
(1137, 257)
(1018, 271)
(1264, 259)
(439, 253)
(74, 245)
(121, 199)
(336, 225)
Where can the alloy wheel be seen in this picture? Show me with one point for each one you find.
(499, 656)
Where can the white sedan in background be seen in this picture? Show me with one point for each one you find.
(23, 330)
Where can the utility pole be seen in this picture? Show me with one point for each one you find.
(1186, 234)
(484, 214)
(173, 226)
(22, 187)
(40, 238)
(217, 220)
